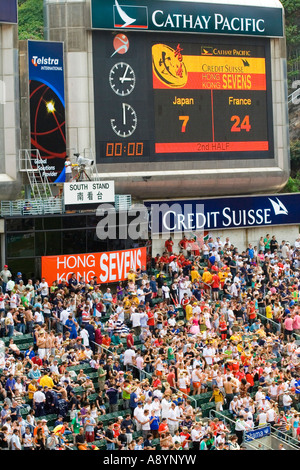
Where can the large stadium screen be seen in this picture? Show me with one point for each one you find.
(171, 97)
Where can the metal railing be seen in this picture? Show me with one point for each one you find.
(231, 422)
(50, 205)
(122, 202)
(286, 438)
(294, 97)
(281, 436)
(276, 326)
(34, 166)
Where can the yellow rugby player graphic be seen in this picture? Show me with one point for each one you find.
(168, 65)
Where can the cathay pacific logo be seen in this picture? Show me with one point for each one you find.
(279, 208)
(128, 16)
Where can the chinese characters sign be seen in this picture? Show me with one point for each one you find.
(88, 192)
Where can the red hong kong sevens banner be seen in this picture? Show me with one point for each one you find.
(111, 266)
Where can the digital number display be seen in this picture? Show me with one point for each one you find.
(120, 149)
(206, 101)
(181, 97)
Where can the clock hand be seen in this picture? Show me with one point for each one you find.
(122, 79)
(124, 114)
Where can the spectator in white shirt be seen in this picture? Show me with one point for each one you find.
(138, 416)
(172, 419)
(129, 357)
(145, 423)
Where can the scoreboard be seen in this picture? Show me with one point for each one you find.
(170, 97)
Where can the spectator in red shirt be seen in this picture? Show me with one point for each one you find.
(98, 335)
(151, 320)
(169, 245)
(215, 267)
(163, 427)
(156, 383)
(106, 341)
(171, 378)
(129, 340)
(37, 360)
(185, 300)
(215, 285)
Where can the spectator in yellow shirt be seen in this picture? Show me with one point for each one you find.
(269, 311)
(131, 276)
(195, 276)
(207, 276)
(46, 381)
(188, 311)
(218, 398)
(32, 387)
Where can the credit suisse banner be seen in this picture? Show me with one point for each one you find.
(187, 17)
(8, 11)
(111, 266)
(223, 213)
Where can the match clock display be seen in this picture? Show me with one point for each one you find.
(122, 79)
(125, 123)
(176, 97)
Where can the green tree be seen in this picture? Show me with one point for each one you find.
(31, 19)
(292, 31)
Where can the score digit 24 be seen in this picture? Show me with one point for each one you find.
(240, 124)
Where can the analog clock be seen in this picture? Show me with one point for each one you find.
(122, 79)
(125, 123)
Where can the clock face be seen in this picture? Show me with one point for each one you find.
(122, 79)
(125, 123)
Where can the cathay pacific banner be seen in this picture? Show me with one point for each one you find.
(223, 213)
(187, 17)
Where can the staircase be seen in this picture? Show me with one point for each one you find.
(31, 163)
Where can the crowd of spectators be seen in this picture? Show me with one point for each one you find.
(202, 321)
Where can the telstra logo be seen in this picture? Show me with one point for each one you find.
(44, 61)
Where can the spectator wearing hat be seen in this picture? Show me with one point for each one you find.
(5, 275)
(18, 278)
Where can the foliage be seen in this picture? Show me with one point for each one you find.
(293, 185)
(292, 31)
(31, 20)
(295, 157)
